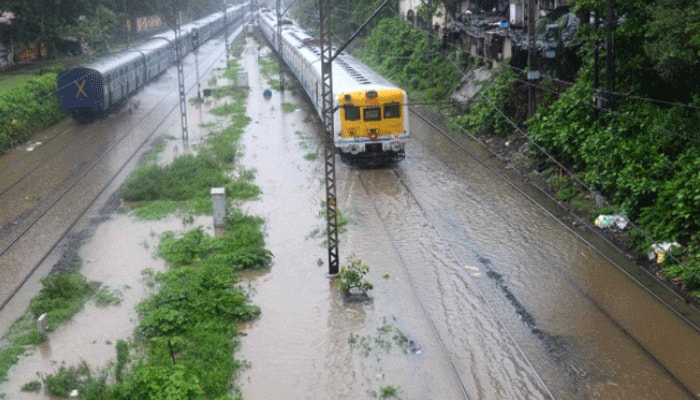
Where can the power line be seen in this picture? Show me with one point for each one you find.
(539, 86)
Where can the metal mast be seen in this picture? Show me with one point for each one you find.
(532, 73)
(329, 153)
(279, 42)
(181, 81)
(172, 19)
(228, 50)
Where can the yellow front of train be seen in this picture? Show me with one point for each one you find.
(372, 125)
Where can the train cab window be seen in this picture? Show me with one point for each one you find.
(352, 113)
(373, 114)
(392, 110)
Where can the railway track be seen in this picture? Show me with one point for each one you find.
(414, 280)
(494, 290)
(88, 160)
(645, 279)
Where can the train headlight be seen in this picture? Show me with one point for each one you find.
(373, 134)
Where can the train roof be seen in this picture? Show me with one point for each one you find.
(154, 43)
(118, 59)
(349, 73)
(113, 61)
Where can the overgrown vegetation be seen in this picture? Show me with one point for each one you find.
(399, 51)
(352, 277)
(63, 294)
(186, 337)
(184, 185)
(640, 155)
(27, 109)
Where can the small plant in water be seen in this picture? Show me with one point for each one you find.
(31, 386)
(352, 277)
(388, 392)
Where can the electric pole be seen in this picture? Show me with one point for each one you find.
(195, 47)
(172, 19)
(532, 73)
(430, 42)
(593, 19)
(329, 148)
(228, 50)
(327, 57)
(181, 81)
(279, 42)
(609, 55)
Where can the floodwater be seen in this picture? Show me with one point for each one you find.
(116, 251)
(117, 254)
(497, 298)
(503, 300)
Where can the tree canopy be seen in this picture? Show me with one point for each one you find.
(48, 22)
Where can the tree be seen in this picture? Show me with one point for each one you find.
(672, 44)
(44, 21)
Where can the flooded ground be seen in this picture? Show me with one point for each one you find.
(117, 247)
(503, 299)
(479, 293)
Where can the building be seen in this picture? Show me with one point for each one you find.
(493, 30)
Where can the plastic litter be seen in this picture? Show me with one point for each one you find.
(660, 250)
(610, 221)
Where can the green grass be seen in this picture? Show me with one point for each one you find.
(12, 81)
(187, 331)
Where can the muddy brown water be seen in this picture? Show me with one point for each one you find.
(504, 300)
(500, 299)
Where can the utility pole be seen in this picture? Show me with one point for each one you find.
(532, 73)
(228, 50)
(430, 42)
(329, 148)
(279, 42)
(195, 48)
(609, 55)
(181, 81)
(172, 19)
(593, 19)
(327, 57)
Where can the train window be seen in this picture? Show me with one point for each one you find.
(352, 113)
(372, 114)
(392, 110)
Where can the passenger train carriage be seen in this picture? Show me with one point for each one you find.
(371, 114)
(95, 87)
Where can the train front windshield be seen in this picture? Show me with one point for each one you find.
(371, 114)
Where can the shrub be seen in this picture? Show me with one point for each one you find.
(352, 276)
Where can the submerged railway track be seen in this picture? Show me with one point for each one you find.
(506, 305)
(48, 190)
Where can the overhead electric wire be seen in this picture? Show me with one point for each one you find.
(680, 263)
(575, 178)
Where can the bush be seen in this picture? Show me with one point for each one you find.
(63, 294)
(27, 109)
(352, 276)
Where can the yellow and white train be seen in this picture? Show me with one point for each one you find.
(371, 114)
